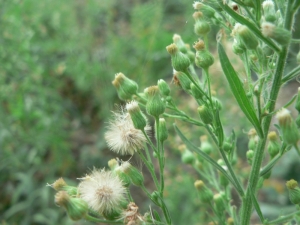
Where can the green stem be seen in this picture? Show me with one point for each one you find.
(161, 168)
(186, 119)
(283, 219)
(208, 81)
(149, 141)
(246, 209)
(291, 75)
(229, 167)
(150, 168)
(97, 220)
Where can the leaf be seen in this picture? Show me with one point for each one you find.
(256, 206)
(238, 90)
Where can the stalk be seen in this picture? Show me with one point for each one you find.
(258, 156)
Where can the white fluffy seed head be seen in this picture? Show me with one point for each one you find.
(102, 190)
(122, 137)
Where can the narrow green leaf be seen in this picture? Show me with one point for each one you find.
(238, 91)
(204, 155)
(219, 128)
(256, 206)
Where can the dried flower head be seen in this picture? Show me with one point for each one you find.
(102, 190)
(122, 137)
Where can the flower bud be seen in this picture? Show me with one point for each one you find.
(269, 11)
(196, 92)
(125, 86)
(297, 104)
(190, 53)
(135, 175)
(183, 80)
(187, 157)
(250, 155)
(227, 147)
(222, 179)
(230, 221)
(163, 87)
(205, 114)
(138, 118)
(112, 164)
(279, 34)
(75, 207)
(155, 106)
(201, 26)
(123, 176)
(163, 131)
(112, 214)
(179, 43)
(180, 61)
(273, 145)
(61, 185)
(205, 145)
(253, 139)
(205, 194)
(247, 38)
(237, 47)
(290, 133)
(219, 200)
(294, 191)
(204, 58)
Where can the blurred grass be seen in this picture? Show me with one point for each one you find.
(58, 59)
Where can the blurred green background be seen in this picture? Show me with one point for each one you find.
(57, 61)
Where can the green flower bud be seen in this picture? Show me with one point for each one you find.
(61, 185)
(219, 200)
(247, 38)
(204, 58)
(155, 106)
(297, 104)
(179, 43)
(187, 157)
(279, 34)
(269, 11)
(123, 176)
(273, 145)
(180, 61)
(237, 47)
(183, 80)
(205, 194)
(290, 133)
(135, 175)
(112, 164)
(227, 147)
(196, 92)
(205, 114)
(112, 214)
(138, 118)
(222, 179)
(250, 155)
(253, 139)
(201, 26)
(207, 11)
(125, 86)
(217, 104)
(205, 145)
(294, 191)
(230, 221)
(163, 87)
(75, 207)
(190, 53)
(163, 131)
